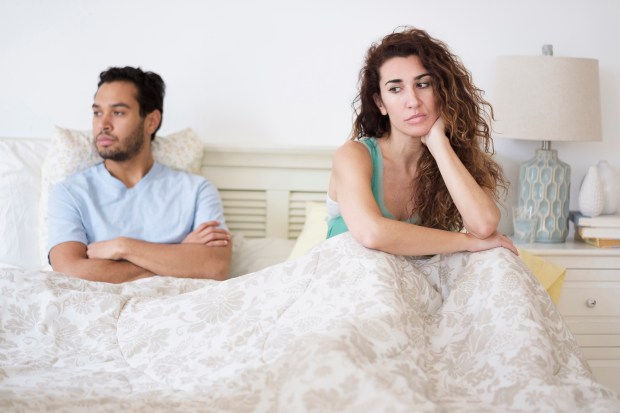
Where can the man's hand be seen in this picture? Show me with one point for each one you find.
(72, 258)
(209, 234)
(191, 258)
(106, 250)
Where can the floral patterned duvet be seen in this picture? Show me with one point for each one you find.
(342, 329)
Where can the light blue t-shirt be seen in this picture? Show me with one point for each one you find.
(163, 207)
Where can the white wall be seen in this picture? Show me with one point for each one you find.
(277, 72)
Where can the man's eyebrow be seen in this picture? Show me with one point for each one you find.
(418, 77)
(114, 105)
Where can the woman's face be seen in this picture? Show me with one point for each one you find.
(406, 96)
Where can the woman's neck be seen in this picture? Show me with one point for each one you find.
(402, 150)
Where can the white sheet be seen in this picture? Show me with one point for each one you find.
(343, 328)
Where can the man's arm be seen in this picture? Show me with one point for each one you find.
(205, 253)
(67, 239)
(71, 258)
(190, 260)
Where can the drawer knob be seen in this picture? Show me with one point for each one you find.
(591, 302)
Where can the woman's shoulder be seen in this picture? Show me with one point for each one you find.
(352, 153)
(361, 146)
(351, 149)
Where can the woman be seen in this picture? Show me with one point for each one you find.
(419, 154)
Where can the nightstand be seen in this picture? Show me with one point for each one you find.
(590, 302)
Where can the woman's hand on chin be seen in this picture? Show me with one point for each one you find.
(436, 135)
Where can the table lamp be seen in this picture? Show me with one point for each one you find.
(547, 99)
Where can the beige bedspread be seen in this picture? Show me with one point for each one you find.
(342, 329)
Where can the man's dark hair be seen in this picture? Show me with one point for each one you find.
(151, 88)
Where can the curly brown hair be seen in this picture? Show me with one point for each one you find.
(466, 114)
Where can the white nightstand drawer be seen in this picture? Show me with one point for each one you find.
(590, 299)
(590, 302)
(599, 353)
(606, 371)
(594, 325)
(593, 274)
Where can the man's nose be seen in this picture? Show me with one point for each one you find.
(104, 123)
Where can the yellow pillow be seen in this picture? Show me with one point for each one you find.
(314, 230)
(550, 275)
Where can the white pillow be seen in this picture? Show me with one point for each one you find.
(20, 187)
(253, 254)
(314, 230)
(71, 151)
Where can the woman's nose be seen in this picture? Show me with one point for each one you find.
(412, 99)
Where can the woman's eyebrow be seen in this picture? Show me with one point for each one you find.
(418, 77)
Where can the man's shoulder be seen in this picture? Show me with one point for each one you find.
(169, 172)
(82, 175)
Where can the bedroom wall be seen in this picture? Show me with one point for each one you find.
(278, 72)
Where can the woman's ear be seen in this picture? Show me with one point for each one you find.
(379, 104)
(152, 121)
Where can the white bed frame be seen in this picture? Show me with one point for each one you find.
(264, 191)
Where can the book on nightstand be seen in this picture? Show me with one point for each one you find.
(602, 231)
(599, 232)
(608, 221)
(602, 242)
(599, 242)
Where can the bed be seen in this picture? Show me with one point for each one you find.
(303, 325)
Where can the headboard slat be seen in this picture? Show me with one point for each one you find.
(264, 191)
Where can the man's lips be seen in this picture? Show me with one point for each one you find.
(105, 140)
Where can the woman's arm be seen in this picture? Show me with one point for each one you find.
(350, 187)
(477, 207)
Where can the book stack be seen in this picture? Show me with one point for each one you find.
(600, 231)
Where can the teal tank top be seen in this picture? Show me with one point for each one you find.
(336, 224)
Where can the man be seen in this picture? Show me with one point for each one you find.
(130, 217)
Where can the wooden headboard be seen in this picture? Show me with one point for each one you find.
(264, 191)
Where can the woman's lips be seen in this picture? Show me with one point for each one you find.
(416, 118)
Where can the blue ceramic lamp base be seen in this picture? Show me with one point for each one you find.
(544, 187)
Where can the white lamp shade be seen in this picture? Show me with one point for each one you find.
(547, 98)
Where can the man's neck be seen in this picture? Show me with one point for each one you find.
(131, 171)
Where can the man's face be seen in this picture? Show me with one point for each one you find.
(117, 125)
